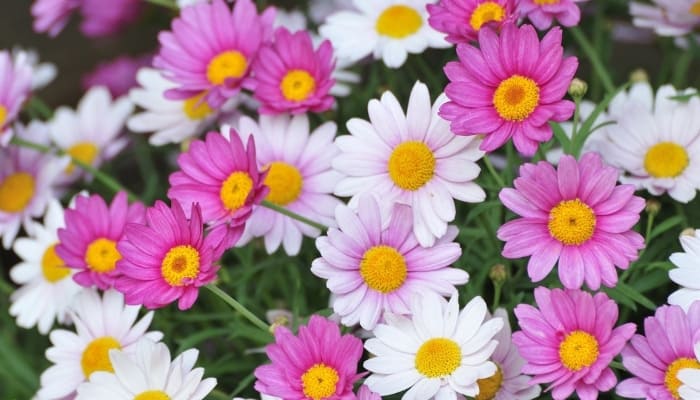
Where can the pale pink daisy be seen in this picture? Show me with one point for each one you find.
(15, 87)
(543, 12)
(461, 20)
(51, 16)
(667, 17)
(118, 75)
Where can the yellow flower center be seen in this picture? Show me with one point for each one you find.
(152, 395)
(578, 350)
(229, 64)
(53, 268)
(102, 255)
(489, 387)
(383, 268)
(438, 357)
(235, 190)
(399, 21)
(297, 85)
(84, 152)
(694, 9)
(411, 165)
(485, 12)
(180, 265)
(671, 378)
(96, 355)
(666, 160)
(545, 2)
(319, 381)
(16, 191)
(285, 183)
(516, 98)
(196, 108)
(3, 115)
(571, 222)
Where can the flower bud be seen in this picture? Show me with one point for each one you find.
(578, 88)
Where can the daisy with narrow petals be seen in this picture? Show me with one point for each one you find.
(690, 379)
(51, 16)
(318, 363)
(570, 341)
(88, 243)
(376, 265)
(511, 86)
(575, 215)
(101, 323)
(410, 158)
(449, 16)
(386, 29)
(148, 373)
(15, 87)
(543, 12)
(687, 271)
(667, 18)
(440, 352)
(299, 176)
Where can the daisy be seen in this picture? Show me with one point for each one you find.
(51, 16)
(570, 341)
(319, 10)
(148, 374)
(15, 87)
(441, 351)
(655, 360)
(43, 73)
(667, 18)
(118, 75)
(410, 158)
(375, 265)
(572, 215)
(101, 324)
(387, 29)
(690, 379)
(542, 12)
(88, 243)
(316, 364)
(99, 21)
(299, 175)
(47, 289)
(511, 86)
(212, 62)
(687, 273)
(449, 16)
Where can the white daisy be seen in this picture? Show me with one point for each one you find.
(387, 29)
(319, 10)
(690, 379)
(439, 353)
(47, 289)
(101, 324)
(148, 374)
(687, 273)
(43, 73)
(412, 159)
(300, 178)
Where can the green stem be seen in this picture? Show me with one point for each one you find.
(293, 215)
(240, 308)
(650, 225)
(497, 295)
(40, 107)
(593, 58)
(164, 3)
(577, 117)
(493, 172)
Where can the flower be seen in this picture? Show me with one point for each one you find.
(570, 341)
(88, 243)
(389, 29)
(318, 363)
(51, 16)
(220, 57)
(449, 16)
(293, 77)
(572, 215)
(542, 12)
(667, 18)
(655, 360)
(687, 273)
(299, 177)
(169, 259)
(118, 75)
(15, 86)
(439, 352)
(221, 175)
(690, 379)
(511, 86)
(99, 21)
(47, 289)
(101, 324)
(43, 73)
(148, 373)
(364, 393)
(375, 265)
(410, 158)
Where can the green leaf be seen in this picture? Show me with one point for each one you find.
(634, 295)
(665, 226)
(586, 127)
(561, 136)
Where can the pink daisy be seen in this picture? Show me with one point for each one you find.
(15, 88)
(221, 175)
(461, 20)
(570, 341)
(656, 359)
(169, 259)
(211, 49)
(118, 75)
(575, 215)
(511, 86)
(291, 77)
(375, 266)
(542, 12)
(100, 20)
(51, 16)
(88, 243)
(316, 364)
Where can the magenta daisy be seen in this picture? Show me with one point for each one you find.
(656, 359)
(372, 269)
(575, 215)
(509, 87)
(570, 341)
(542, 12)
(316, 364)
(449, 16)
(211, 48)
(221, 175)
(15, 87)
(88, 243)
(99, 20)
(292, 77)
(166, 260)
(51, 16)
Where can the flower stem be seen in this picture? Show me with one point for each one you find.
(240, 308)
(496, 176)
(40, 107)
(497, 288)
(164, 3)
(293, 215)
(593, 58)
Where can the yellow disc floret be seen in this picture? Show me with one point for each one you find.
(438, 357)
(411, 165)
(196, 107)
(486, 12)
(383, 268)
(180, 265)
(572, 222)
(3, 115)
(297, 85)
(666, 160)
(16, 191)
(53, 268)
(285, 183)
(152, 395)
(671, 380)
(319, 381)
(84, 152)
(229, 64)
(578, 350)
(399, 21)
(235, 190)
(489, 387)
(545, 2)
(694, 9)
(96, 355)
(102, 255)
(516, 98)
